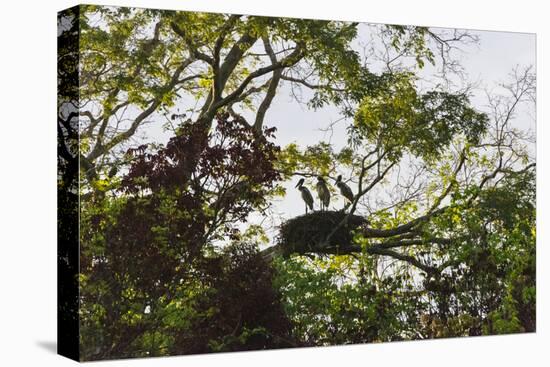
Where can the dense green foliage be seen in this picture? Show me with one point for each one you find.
(169, 261)
(487, 286)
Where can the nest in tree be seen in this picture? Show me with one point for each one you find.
(309, 232)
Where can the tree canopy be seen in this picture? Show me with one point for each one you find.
(438, 241)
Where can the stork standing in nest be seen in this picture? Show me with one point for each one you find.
(323, 193)
(306, 194)
(345, 190)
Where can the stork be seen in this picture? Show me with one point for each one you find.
(306, 194)
(323, 193)
(344, 189)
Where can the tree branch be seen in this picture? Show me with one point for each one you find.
(100, 147)
(290, 60)
(310, 85)
(192, 47)
(273, 84)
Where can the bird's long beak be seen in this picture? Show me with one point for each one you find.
(298, 184)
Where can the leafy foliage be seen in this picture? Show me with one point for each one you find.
(402, 120)
(169, 262)
(333, 301)
(152, 250)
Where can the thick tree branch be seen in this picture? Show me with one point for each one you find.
(288, 61)
(219, 82)
(234, 56)
(272, 89)
(401, 229)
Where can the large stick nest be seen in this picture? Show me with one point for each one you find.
(309, 232)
